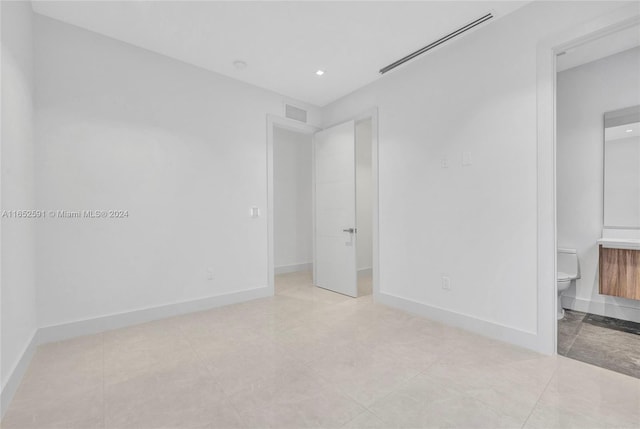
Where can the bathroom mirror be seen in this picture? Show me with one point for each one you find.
(622, 168)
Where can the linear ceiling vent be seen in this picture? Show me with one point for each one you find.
(438, 42)
(296, 113)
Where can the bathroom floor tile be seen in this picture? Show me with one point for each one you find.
(568, 330)
(606, 348)
(602, 341)
(612, 323)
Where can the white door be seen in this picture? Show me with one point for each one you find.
(335, 209)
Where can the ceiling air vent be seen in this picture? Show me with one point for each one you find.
(438, 42)
(296, 113)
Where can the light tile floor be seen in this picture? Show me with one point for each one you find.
(312, 358)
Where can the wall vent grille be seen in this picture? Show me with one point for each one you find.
(438, 42)
(295, 113)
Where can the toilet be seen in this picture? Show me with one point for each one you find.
(568, 271)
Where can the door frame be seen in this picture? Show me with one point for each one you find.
(547, 329)
(274, 121)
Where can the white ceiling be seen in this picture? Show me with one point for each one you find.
(599, 48)
(283, 43)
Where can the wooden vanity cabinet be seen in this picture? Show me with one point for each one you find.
(620, 272)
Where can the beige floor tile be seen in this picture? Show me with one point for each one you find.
(124, 360)
(514, 389)
(250, 366)
(364, 374)
(296, 384)
(82, 410)
(582, 395)
(308, 357)
(430, 403)
(291, 406)
(58, 374)
(170, 399)
(366, 420)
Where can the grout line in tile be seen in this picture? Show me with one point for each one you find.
(574, 337)
(553, 374)
(405, 382)
(104, 390)
(201, 361)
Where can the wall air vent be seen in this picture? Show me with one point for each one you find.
(438, 42)
(295, 113)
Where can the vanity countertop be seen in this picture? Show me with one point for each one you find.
(620, 243)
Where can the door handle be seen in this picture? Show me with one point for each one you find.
(350, 230)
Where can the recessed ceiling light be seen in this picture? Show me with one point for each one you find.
(320, 72)
(239, 65)
(629, 130)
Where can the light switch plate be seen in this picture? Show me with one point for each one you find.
(446, 283)
(466, 158)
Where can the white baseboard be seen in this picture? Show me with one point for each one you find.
(602, 308)
(486, 328)
(284, 269)
(79, 328)
(13, 382)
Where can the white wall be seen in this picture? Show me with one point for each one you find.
(182, 149)
(475, 224)
(293, 224)
(584, 94)
(364, 195)
(18, 316)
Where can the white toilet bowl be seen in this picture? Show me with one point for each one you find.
(563, 283)
(568, 270)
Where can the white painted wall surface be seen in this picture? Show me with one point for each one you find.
(293, 214)
(182, 149)
(584, 94)
(18, 315)
(475, 224)
(364, 194)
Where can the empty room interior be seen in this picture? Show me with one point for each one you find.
(320, 214)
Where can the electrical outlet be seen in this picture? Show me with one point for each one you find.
(446, 283)
(444, 162)
(209, 273)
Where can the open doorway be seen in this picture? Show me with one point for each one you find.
(292, 208)
(304, 217)
(598, 200)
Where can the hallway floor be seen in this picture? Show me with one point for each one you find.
(311, 358)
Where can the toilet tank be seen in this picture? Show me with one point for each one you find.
(568, 262)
